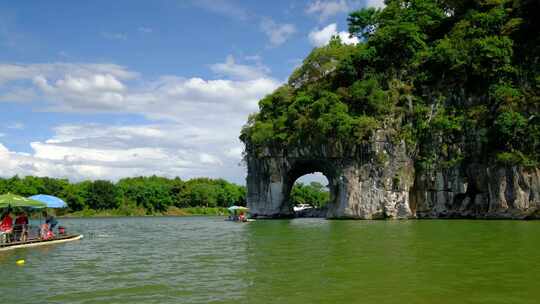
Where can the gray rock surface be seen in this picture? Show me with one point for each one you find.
(366, 182)
(478, 191)
(378, 180)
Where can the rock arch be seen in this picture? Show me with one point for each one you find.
(301, 167)
(366, 181)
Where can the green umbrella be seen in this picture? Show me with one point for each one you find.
(233, 209)
(12, 200)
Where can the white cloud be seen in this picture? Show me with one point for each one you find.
(206, 158)
(235, 152)
(111, 88)
(114, 36)
(277, 33)
(69, 86)
(320, 37)
(94, 151)
(176, 98)
(12, 72)
(239, 71)
(327, 9)
(196, 129)
(375, 3)
(98, 91)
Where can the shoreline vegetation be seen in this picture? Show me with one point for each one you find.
(149, 195)
(171, 211)
(134, 196)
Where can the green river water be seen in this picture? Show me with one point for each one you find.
(209, 260)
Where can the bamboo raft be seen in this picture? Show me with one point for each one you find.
(38, 242)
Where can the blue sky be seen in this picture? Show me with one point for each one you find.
(107, 89)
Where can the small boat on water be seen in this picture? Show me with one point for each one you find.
(238, 214)
(301, 207)
(20, 234)
(39, 242)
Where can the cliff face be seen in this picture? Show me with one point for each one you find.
(477, 191)
(379, 181)
(370, 182)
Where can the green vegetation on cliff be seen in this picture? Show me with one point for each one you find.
(456, 80)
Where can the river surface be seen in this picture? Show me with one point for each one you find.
(209, 260)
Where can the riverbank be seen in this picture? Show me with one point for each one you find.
(171, 211)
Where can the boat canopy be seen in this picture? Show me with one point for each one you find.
(12, 200)
(49, 200)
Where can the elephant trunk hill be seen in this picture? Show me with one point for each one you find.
(434, 113)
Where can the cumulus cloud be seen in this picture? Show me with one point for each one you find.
(110, 88)
(94, 151)
(240, 71)
(277, 33)
(13, 72)
(320, 37)
(177, 98)
(195, 131)
(327, 9)
(98, 91)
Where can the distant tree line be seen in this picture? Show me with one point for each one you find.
(153, 194)
(314, 194)
(149, 195)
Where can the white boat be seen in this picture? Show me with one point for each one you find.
(40, 242)
(301, 207)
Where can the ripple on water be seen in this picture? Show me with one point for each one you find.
(208, 260)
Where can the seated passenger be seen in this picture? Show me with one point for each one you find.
(21, 227)
(50, 220)
(45, 232)
(6, 227)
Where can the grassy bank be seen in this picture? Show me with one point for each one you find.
(171, 211)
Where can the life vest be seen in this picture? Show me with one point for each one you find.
(7, 224)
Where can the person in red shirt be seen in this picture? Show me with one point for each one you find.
(6, 227)
(22, 219)
(21, 227)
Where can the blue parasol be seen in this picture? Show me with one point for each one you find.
(51, 201)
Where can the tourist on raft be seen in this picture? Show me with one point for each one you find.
(50, 220)
(6, 227)
(21, 227)
(46, 231)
